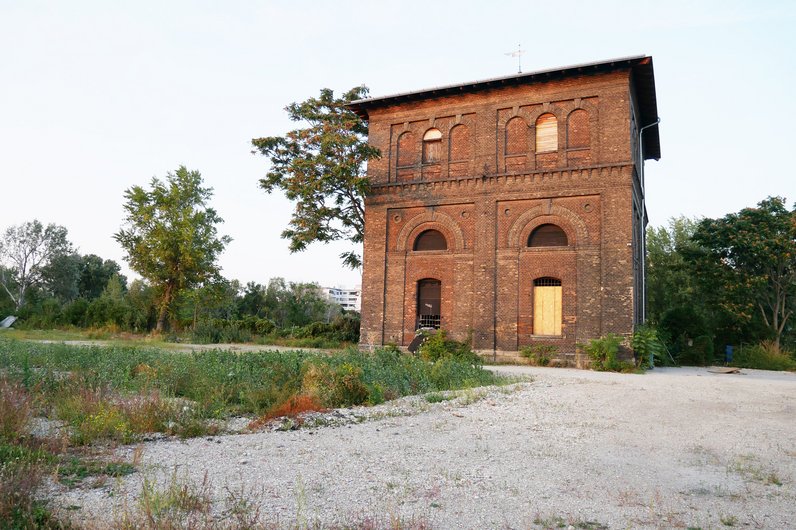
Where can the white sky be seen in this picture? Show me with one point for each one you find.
(98, 96)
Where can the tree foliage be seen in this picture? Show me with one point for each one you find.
(670, 282)
(25, 252)
(321, 167)
(170, 235)
(750, 257)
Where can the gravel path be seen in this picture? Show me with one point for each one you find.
(670, 448)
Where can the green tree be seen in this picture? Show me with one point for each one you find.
(170, 236)
(60, 277)
(670, 281)
(253, 300)
(95, 274)
(750, 257)
(321, 167)
(142, 300)
(25, 251)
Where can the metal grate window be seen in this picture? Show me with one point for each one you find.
(429, 321)
(547, 282)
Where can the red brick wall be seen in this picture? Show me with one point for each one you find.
(486, 195)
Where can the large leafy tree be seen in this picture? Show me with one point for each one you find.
(71, 276)
(25, 253)
(670, 282)
(750, 258)
(170, 236)
(321, 167)
(95, 273)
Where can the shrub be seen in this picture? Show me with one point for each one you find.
(539, 354)
(15, 410)
(697, 353)
(19, 507)
(764, 356)
(647, 346)
(604, 353)
(438, 347)
(335, 386)
(219, 330)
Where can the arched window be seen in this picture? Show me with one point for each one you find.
(460, 143)
(432, 146)
(548, 235)
(547, 306)
(578, 135)
(407, 150)
(430, 240)
(546, 133)
(429, 295)
(516, 136)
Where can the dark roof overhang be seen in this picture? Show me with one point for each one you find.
(642, 76)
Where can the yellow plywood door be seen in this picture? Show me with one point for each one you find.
(547, 310)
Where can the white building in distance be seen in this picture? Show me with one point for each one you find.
(349, 299)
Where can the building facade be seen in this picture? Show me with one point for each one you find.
(510, 211)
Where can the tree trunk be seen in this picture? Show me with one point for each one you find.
(164, 308)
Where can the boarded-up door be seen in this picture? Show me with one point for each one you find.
(547, 306)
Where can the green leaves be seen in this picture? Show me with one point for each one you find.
(321, 167)
(753, 256)
(170, 234)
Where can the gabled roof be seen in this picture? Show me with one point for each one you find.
(643, 78)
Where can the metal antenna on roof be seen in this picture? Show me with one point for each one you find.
(518, 55)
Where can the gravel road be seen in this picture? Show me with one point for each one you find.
(673, 448)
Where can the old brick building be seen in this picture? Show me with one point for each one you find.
(512, 208)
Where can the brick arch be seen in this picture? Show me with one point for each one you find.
(436, 220)
(567, 219)
(578, 142)
(556, 111)
(515, 141)
(459, 143)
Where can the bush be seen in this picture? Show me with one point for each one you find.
(698, 353)
(604, 353)
(764, 356)
(335, 386)
(15, 410)
(19, 507)
(539, 354)
(438, 347)
(647, 346)
(219, 330)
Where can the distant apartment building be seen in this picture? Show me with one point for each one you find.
(349, 299)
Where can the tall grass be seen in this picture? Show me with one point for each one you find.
(115, 392)
(764, 356)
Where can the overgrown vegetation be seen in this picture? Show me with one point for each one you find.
(117, 393)
(764, 356)
(439, 347)
(647, 347)
(727, 281)
(92, 396)
(604, 354)
(539, 354)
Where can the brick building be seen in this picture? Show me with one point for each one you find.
(510, 208)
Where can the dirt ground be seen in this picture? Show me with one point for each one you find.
(672, 448)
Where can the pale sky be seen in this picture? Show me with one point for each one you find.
(96, 97)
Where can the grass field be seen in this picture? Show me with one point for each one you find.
(91, 396)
